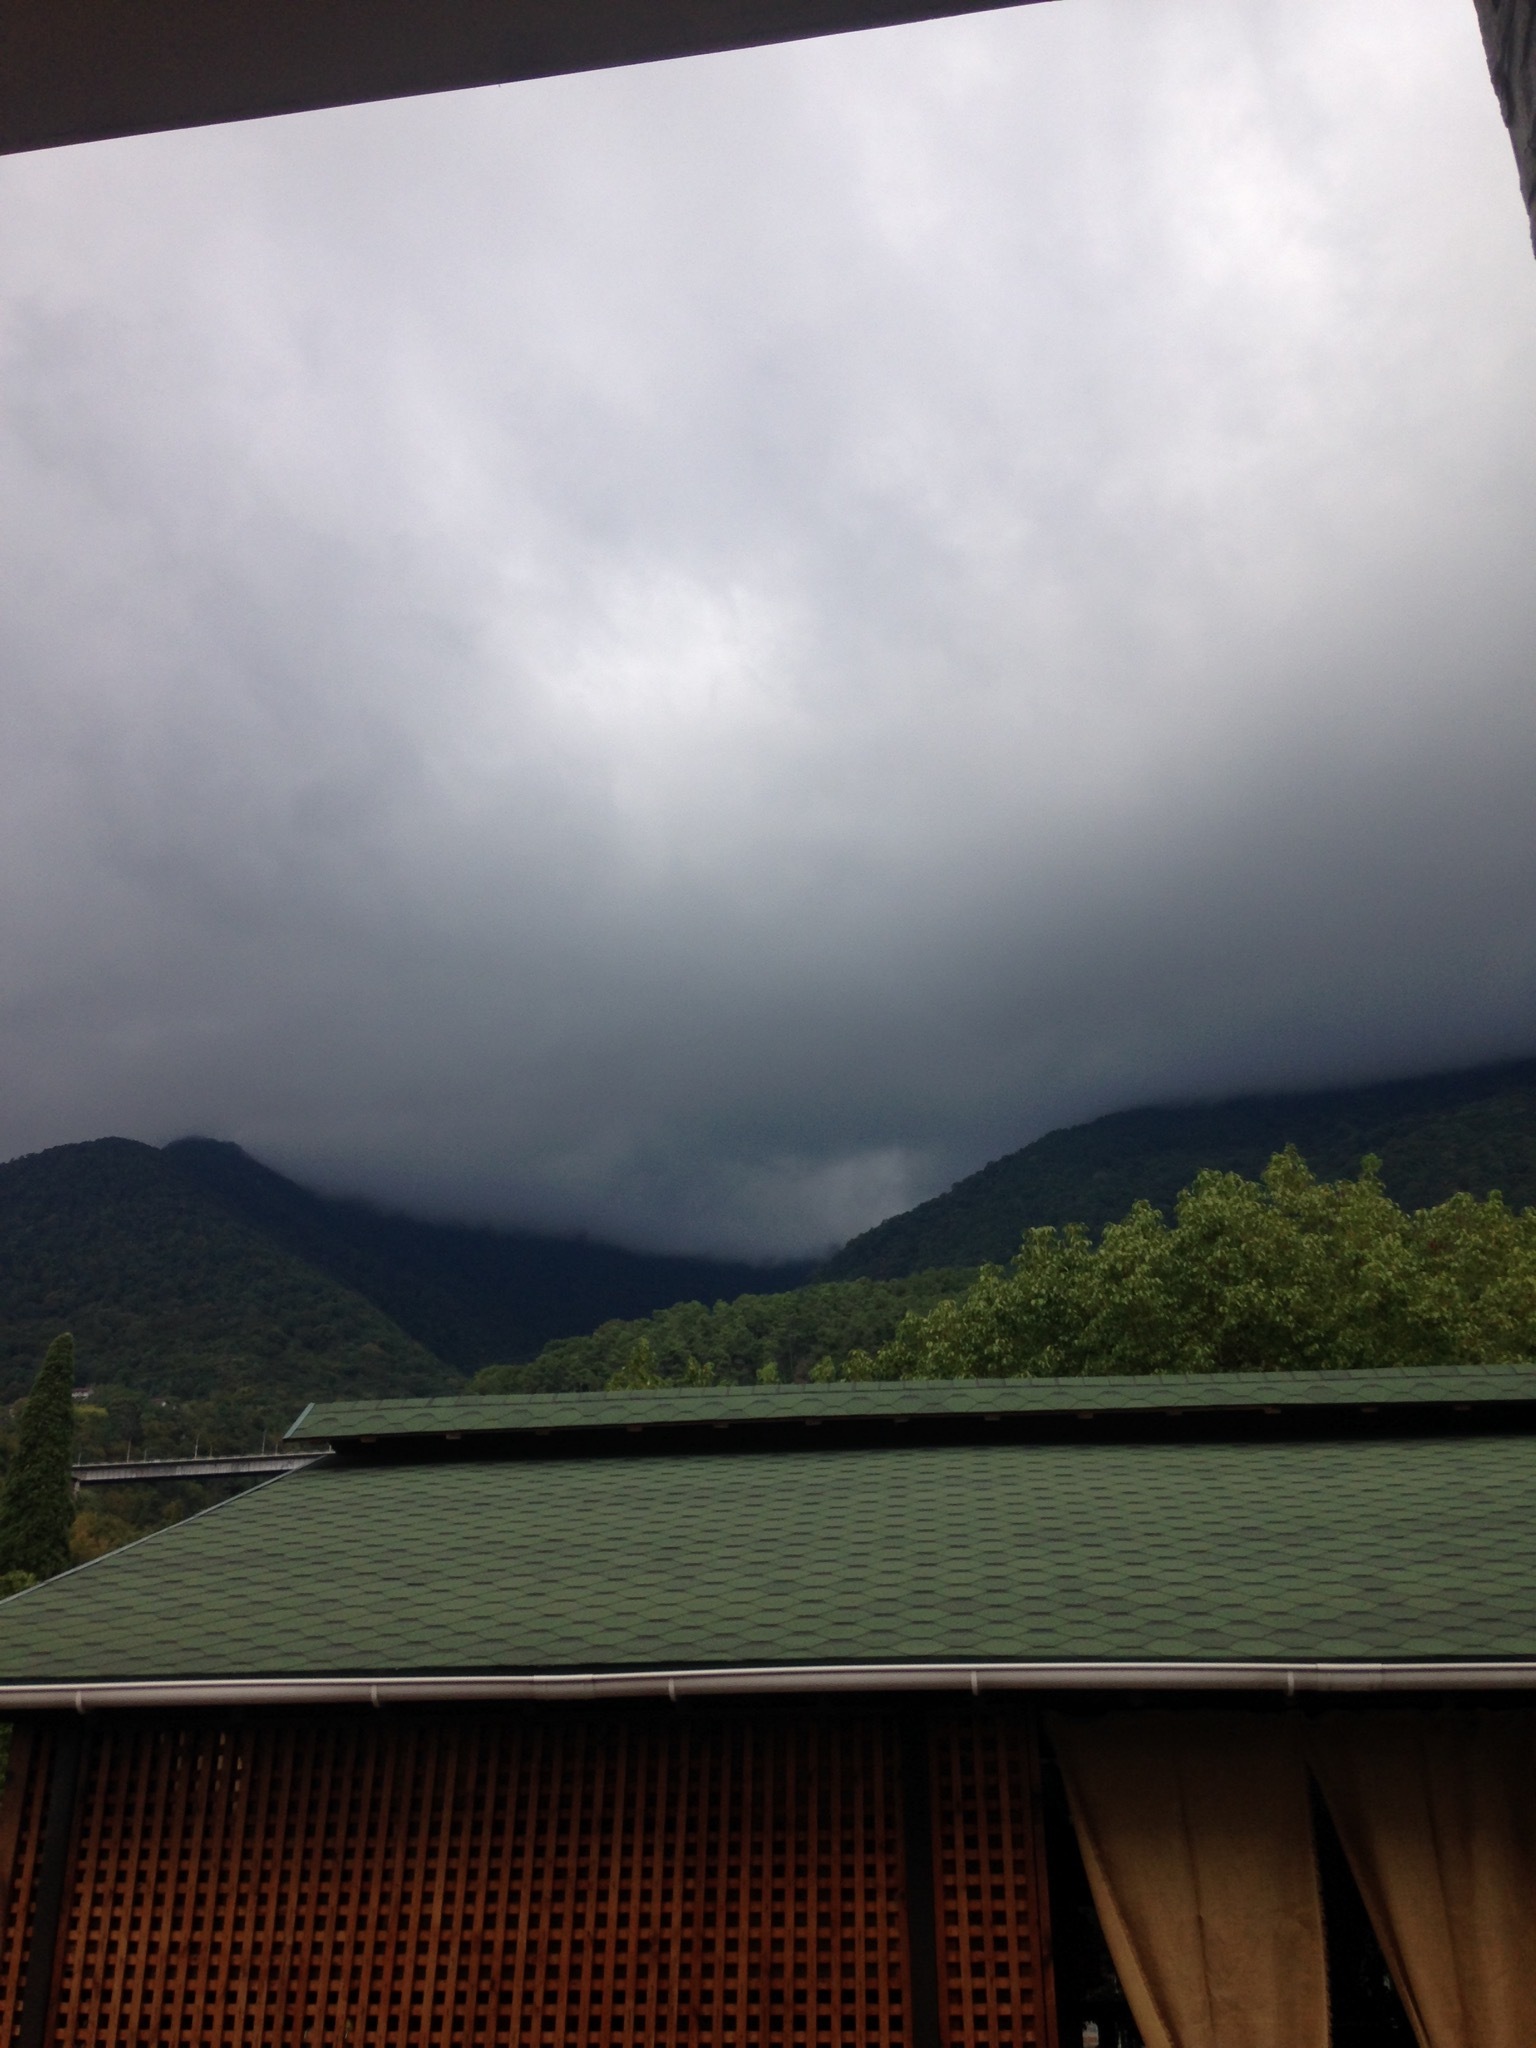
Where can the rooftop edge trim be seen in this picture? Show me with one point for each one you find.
(460, 1415)
(1287, 1677)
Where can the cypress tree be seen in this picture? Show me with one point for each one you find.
(38, 1507)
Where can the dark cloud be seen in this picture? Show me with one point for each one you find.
(697, 651)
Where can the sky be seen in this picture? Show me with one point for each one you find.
(694, 652)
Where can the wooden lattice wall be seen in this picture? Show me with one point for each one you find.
(995, 1985)
(592, 1881)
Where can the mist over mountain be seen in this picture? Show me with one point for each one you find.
(1473, 1129)
(193, 1271)
(472, 1295)
(692, 652)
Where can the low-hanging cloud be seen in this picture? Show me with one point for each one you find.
(693, 652)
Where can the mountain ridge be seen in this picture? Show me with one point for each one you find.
(192, 1271)
(474, 1294)
(1472, 1128)
(167, 1292)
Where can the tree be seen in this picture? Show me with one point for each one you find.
(738, 1340)
(1281, 1273)
(637, 1372)
(37, 1508)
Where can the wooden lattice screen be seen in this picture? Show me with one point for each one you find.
(28, 1778)
(995, 1985)
(592, 1882)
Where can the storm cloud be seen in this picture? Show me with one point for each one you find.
(694, 652)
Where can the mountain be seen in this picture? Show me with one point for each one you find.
(195, 1272)
(168, 1292)
(472, 1296)
(1474, 1129)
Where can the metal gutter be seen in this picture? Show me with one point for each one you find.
(713, 1682)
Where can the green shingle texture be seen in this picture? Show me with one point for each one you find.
(469, 1414)
(1383, 1549)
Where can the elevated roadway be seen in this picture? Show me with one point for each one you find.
(253, 1465)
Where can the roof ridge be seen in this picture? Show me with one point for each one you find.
(455, 1415)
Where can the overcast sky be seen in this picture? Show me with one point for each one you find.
(695, 652)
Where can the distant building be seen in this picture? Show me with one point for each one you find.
(968, 1715)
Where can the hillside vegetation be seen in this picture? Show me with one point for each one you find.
(1273, 1274)
(1473, 1131)
(755, 1337)
(1276, 1274)
(115, 1422)
(469, 1295)
(168, 1293)
(1280, 1274)
(211, 1297)
(195, 1277)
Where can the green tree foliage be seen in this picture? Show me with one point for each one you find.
(120, 1422)
(1280, 1273)
(761, 1338)
(637, 1371)
(37, 1509)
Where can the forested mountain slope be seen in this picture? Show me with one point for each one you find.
(472, 1296)
(1473, 1130)
(166, 1291)
(195, 1272)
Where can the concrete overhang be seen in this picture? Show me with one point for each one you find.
(1509, 37)
(84, 70)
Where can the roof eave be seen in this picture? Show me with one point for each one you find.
(83, 70)
(1075, 1675)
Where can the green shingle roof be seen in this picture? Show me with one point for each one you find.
(1359, 1550)
(516, 1414)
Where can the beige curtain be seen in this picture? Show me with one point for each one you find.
(1437, 1814)
(1197, 1835)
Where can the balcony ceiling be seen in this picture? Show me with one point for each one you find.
(83, 70)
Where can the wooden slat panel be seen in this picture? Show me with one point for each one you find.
(14, 1809)
(995, 1987)
(507, 1880)
(23, 1820)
